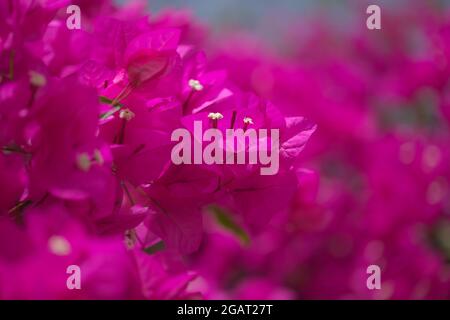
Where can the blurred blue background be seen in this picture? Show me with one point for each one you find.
(266, 17)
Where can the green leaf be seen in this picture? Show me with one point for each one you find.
(440, 238)
(226, 220)
(154, 248)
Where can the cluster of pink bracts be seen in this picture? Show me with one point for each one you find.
(86, 176)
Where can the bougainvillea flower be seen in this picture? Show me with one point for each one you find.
(358, 122)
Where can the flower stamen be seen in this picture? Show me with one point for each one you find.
(59, 245)
(84, 162)
(98, 157)
(215, 117)
(126, 114)
(195, 85)
(247, 121)
(37, 79)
